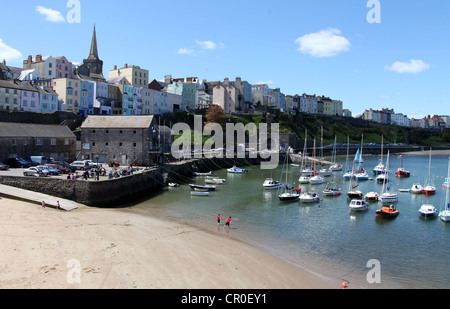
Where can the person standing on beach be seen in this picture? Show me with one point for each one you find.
(43, 205)
(218, 219)
(228, 223)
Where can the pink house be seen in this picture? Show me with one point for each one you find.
(63, 67)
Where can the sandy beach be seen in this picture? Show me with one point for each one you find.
(93, 248)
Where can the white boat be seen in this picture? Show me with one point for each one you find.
(362, 175)
(325, 172)
(316, 179)
(349, 175)
(444, 215)
(237, 170)
(332, 190)
(270, 184)
(335, 167)
(372, 196)
(380, 168)
(387, 197)
(429, 188)
(216, 181)
(306, 173)
(309, 197)
(352, 192)
(200, 193)
(288, 195)
(173, 185)
(359, 205)
(304, 179)
(427, 211)
(202, 188)
(382, 178)
(416, 188)
(202, 174)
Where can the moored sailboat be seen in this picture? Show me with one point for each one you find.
(429, 189)
(444, 215)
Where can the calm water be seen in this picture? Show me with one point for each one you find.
(327, 237)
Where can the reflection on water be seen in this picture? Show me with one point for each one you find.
(327, 237)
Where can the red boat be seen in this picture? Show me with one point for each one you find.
(388, 212)
(402, 172)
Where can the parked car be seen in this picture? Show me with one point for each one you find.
(114, 164)
(44, 170)
(64, 167)
(80, 165)
(34, 171)
(18, 163)
(93, 164)
(3, 167)
(53, 169)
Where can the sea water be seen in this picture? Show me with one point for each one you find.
(326, 237)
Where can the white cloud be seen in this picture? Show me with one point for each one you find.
(207, 45)
(8, 53)
(325, 43)
(413, 66)
(185, 51)
(50, 14)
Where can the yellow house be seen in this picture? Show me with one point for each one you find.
(69, 91)
(136, 76)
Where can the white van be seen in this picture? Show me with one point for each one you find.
(39, 160)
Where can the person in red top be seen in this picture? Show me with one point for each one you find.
(228, 222)
(218, 219)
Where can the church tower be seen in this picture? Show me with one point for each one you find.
(93, 63)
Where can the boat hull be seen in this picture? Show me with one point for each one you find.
(388, 213)
(289, 197)
(445, 215)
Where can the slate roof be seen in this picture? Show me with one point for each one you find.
(34, 130)
(117, 122)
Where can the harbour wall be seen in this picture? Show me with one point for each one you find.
(116, 192)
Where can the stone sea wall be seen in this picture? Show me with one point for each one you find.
(116, 192)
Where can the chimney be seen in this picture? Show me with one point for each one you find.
(30, 59)
(115, 68)
(4, 61)
(126, 65)
(38, 58)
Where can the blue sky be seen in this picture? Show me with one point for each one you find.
(323, 47)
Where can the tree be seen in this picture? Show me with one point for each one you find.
(215, 114)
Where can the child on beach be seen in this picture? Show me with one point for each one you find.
(228, 223)
(218, 219)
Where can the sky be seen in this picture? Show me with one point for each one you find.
(367, 53)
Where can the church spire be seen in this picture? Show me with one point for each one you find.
(93, 63)
(93, 54)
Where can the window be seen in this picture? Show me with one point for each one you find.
(106, 144)
(120, 144)
(53, 142)
(66, 142)
(134, 145)
(93, 131)
(13, 142)
(39, 142)
(93, 144)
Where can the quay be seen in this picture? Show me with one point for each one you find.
(110, 192)
(38, 198)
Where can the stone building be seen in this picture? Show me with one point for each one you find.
(124, 139)
(21, 140)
